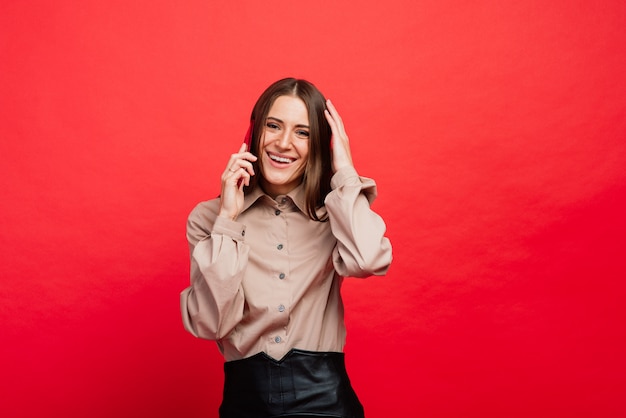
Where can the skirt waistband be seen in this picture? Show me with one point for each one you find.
(303, 382)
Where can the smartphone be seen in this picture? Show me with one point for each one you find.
(248, 138)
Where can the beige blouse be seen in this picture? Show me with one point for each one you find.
(270, 281)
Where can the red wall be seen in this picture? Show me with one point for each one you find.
(495, 130)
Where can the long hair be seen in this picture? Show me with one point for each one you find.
(318, 170)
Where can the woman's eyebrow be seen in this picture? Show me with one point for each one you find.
(280, 121)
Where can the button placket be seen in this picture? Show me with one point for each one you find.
(278, 308)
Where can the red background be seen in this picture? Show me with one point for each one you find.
(495, 130)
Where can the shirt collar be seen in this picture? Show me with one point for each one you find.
(296, 195)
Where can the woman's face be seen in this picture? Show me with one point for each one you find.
(284, 145)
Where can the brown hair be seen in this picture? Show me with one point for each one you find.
(318, 170)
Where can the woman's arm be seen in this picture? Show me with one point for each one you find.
(213, 303)
(362, 248)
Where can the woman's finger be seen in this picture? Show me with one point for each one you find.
(334, 114)
(241, 159)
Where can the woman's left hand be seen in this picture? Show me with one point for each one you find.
(340, 145)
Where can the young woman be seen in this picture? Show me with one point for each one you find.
(269, 255)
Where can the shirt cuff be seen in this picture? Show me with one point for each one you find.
(345, 176)
(224, 226)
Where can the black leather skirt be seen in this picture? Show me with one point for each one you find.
(301, 384)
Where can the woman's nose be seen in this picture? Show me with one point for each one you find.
(285, 139)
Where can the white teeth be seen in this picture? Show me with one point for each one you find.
(280, 159)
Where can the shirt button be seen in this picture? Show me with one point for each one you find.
(281, 276)
(283, 200)
(277, 212)
(277, 340)
(243, 233)
(279, 246)
(281, 308)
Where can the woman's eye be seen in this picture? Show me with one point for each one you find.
(271, 125)
(304, 134)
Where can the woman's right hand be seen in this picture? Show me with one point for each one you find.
(236, 175)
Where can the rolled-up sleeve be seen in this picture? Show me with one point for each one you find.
(362, 248)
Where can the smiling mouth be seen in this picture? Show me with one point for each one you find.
(279, 159)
